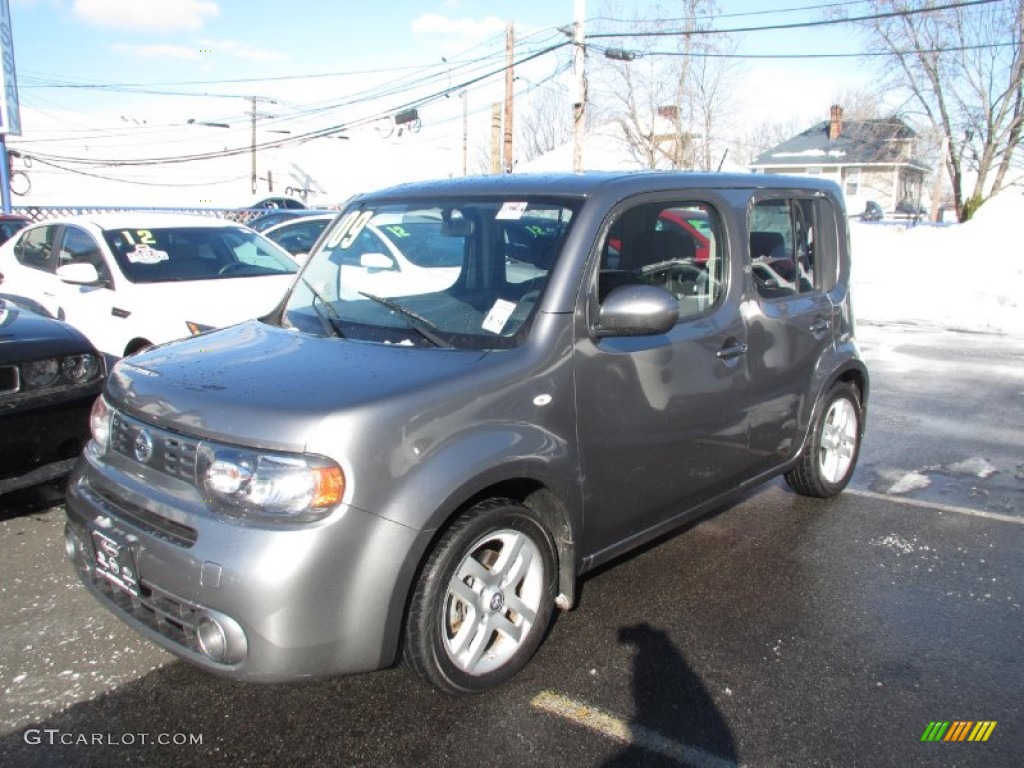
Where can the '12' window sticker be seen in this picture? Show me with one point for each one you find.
(144, 252)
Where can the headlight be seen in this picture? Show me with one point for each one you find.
(40, 373)
(269, 485)
(99, 424)
(80, 368)
(60, 371)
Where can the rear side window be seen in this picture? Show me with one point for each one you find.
(675, 245)
(792, 246)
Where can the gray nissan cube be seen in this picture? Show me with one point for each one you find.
(475, 391)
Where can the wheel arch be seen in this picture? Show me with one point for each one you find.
(553, 510)
(137, 344)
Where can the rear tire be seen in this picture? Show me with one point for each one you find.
(484, 600)
(833, 445)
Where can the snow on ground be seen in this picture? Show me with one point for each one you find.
(967, 277)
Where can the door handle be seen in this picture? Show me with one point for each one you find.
(731, 350)
(820, 326)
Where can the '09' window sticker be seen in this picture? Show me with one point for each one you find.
(348, 229)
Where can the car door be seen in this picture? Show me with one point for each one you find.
(90, 308)
(662, 419)
(793, 257)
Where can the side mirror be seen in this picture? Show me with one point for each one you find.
(79, 274)
(637, 310)
(376, 261)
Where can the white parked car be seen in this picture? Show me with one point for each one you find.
(132, 280)
(395, 257)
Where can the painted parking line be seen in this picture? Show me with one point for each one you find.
(936, 506)
(624, 732)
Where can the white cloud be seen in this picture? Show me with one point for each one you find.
(463, 30)
(156, 15)
(157, 51)
(237, 50)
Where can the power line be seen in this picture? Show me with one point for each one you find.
(298, 139)
(794, 25)
(864, 54)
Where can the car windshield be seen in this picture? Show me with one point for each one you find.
(195, 253)
(464, 274)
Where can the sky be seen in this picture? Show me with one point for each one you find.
(166, 78)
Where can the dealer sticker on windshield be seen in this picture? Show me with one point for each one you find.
(143, 254)
(512, 211)
(498, 316)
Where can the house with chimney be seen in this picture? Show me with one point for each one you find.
(871, 160)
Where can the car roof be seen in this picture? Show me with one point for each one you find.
(591, 183)
(143, 220)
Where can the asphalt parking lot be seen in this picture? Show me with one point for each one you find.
(778, 631)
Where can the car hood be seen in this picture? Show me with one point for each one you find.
(25, 335)
(264, 386)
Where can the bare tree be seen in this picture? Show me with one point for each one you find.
(666, 94)
(545, 122)
(963, 68)
(761, 137)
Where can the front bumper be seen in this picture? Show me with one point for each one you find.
(253, 602)
(40, 443)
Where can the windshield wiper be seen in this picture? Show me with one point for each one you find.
(420, 324)
(332, 320)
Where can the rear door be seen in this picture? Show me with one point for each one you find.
(662, 419)
(793, 257)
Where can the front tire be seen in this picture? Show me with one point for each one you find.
(484, 600)
(833, 445)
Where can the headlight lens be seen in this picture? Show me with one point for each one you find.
(99, 423)
(70, 370)
(80, 368)
(269, 485)
(40, 373)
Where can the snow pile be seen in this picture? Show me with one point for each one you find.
(966, 277)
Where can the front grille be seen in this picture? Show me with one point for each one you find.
(147, 520)
(162, 612)
(10, 381)
(172, 453)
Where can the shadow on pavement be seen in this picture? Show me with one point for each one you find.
(673, 708)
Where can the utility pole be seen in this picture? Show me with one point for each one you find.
(253, 100)
(509, 43)
(465, 133)
(579, 105)
(496, 137)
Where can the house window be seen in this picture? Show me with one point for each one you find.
(852, 182)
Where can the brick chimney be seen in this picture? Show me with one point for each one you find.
(835, 123)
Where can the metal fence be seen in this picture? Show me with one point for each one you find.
(45, 212)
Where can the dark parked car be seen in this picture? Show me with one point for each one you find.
(419, 465)
(297, 235)
(49, 377)
(872, 212)
(10, 224)
(264, 221)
